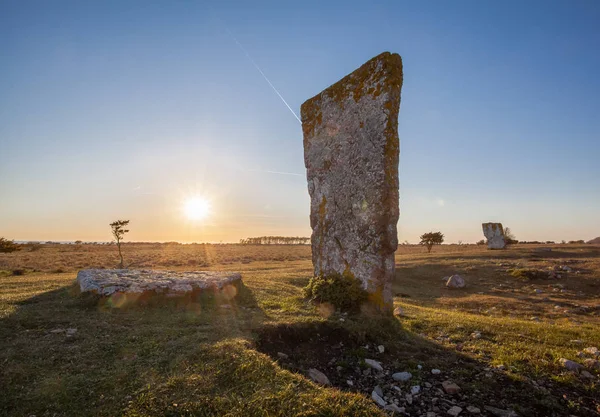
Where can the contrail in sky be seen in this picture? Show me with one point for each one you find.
(262, 73)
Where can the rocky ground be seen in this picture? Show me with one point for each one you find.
(332, 356)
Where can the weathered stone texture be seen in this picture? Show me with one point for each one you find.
(110, 281)
(351, 152)
(494, 233)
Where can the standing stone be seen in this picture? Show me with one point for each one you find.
(351, 152)
(494, 233)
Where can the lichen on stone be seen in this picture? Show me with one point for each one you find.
(351, 152)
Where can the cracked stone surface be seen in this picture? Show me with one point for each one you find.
(109, 281)
(351, 151)
(494, 233)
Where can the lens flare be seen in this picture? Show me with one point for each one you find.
(196, 208)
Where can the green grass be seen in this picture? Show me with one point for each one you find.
(201, 359)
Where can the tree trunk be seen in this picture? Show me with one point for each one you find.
(120, 255)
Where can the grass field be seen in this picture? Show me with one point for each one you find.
(500, 339)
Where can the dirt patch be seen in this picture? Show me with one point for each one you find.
(329, 348)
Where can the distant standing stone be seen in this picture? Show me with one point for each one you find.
(494, 233)
(351, 153)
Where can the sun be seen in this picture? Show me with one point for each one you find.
(196, 208)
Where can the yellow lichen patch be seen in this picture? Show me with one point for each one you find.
(347, 272)
(388, 63)
(322, 214)
(376, 298)
(323, 208)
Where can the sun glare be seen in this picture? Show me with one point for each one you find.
(196, 208)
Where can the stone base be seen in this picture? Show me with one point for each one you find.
(106, 282)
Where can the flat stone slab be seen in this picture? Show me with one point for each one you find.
(110, 281)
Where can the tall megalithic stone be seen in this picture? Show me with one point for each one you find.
(351, 152)
(494, 233)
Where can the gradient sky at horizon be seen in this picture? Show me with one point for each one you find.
(123, 109)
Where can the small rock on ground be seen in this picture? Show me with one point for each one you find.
(570, 365)
(374, 364)
(499, 412)
(380, 401)
(592, 364)
(395, 408)
(455, 282)
(454, 411)
(398, 311)
(402, 376)
(318, 376)
(450, 387)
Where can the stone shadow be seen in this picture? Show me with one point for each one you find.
(57, 348)
(339, 349)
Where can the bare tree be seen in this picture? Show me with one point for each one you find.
(118, 231)
(509, 236)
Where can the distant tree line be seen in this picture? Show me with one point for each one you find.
(275, 240)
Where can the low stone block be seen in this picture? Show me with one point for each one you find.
(106, 282)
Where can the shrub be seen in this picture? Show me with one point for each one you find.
(430, 239)
(509, 237)
(8, 246)
(343, 291)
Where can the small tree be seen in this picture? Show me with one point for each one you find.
(509, 237)
(8, 246)
(430, 239)
(118, 231)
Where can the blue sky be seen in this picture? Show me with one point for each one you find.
(126, 109)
